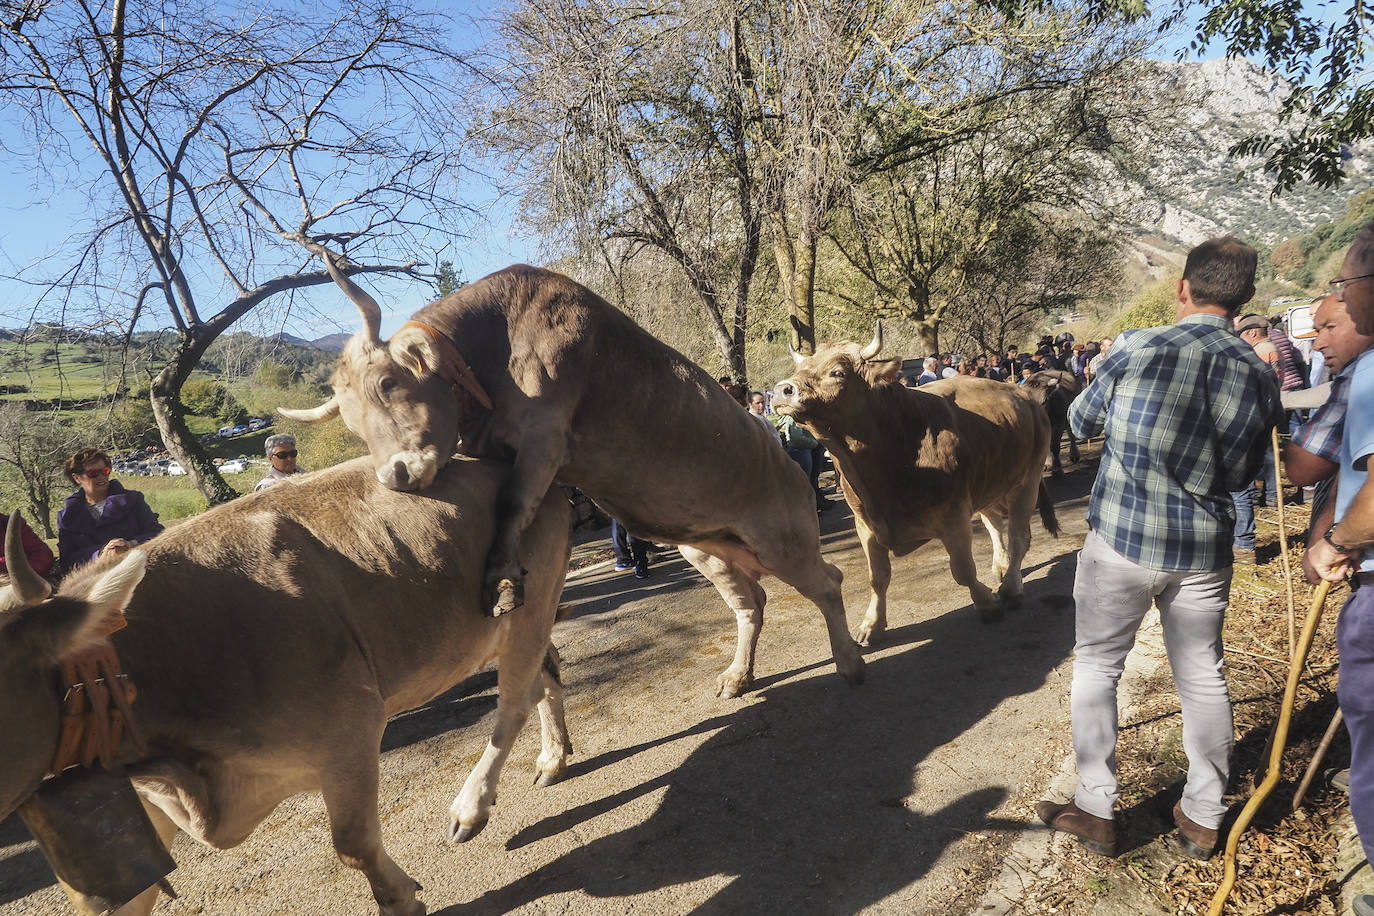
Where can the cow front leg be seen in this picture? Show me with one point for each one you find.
(349, 787)
(519, 685)
(1073, 448)
(553, 730)
(958, 541)
(744, 596)
(536, 462)
(879, 578)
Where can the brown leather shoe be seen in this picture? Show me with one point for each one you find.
(1196, 840)
(1097, 834)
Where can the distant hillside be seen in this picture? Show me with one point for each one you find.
(1196, 192)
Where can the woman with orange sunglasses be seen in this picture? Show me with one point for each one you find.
(102, 517)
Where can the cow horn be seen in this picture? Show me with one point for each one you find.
(875, 345)
(796, 355)
(325, 411)
(26, 587)
(372, 312)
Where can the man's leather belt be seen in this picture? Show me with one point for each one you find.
(1361, 579)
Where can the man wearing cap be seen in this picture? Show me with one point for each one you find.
(281, 454)
(1346, 549)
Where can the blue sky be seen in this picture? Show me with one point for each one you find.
(35, 222)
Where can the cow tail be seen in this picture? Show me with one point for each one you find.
(1047, 516)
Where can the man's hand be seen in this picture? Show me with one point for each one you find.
(1328, 562)
(115, 545)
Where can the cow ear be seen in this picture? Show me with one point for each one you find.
(882, 372)
(413, 349)
(105, 600)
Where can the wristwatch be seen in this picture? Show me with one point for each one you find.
(1327, 537)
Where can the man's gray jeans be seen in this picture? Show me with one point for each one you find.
(1112, 595)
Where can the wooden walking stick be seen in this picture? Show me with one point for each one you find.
(1283, 554)
(1290, 693)
(1317, 758)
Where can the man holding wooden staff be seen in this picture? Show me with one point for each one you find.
(1344, 550)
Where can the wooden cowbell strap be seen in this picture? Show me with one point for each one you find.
(97, 708)
(452, 367)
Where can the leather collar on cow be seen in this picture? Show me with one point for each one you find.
(452, 367)
(97, 707)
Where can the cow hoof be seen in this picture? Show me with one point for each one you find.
(729, 686)
(461, 833)
(403, 908)
(510, 594)
(866, 635)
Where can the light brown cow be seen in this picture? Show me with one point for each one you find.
(271, 638)
(917, 463)
(581, 393)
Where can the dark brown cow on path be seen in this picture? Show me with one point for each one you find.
(580, 393)
(1055, 389)
(271, 638)
(917, 463)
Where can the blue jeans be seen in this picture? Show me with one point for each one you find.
(1245, 516)
(1355, 690)
(629, 550)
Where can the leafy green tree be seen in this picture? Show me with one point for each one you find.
(1154, 306)
(272, 374)
(448, 280)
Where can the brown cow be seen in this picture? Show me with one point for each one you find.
(917, 463)
(581, 393)
(271, 638)
(1055, 390)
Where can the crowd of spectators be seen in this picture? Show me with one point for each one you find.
(1060, 353)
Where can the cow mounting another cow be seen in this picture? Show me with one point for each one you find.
(917, 463)
(270, 639)
(559, 381)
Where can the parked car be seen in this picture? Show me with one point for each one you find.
(234, 466)
(256, 423)
(175, 469)
(158, 466)
(225, 431)
(240, 430)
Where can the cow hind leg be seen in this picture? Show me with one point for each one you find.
(556, 745)
(1016, 527)
(996, 524)
(744, 596)
(879, 578)
(349, 787)
(819, 582)
(520, 685)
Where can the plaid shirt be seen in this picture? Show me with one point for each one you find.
(1321, 434)
(1185, 410)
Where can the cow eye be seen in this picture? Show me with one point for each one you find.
(387, 383)
(837, 372)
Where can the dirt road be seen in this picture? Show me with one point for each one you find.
(806, 796)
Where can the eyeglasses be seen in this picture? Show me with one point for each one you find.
(93, 473)
(1340, 283)
(285, 455)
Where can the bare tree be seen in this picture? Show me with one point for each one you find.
(220, 146)
(930, 232)
(33, 447)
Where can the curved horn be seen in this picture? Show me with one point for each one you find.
(796, 355)
(372, 312)
(328, 410)
(26, 587)
(874, 346)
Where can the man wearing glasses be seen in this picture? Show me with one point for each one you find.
(281, 454)
(1346, 549)
(102, 517)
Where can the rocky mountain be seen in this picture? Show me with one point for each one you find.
(1195, 191)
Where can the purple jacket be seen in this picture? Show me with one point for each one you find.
(80, 537)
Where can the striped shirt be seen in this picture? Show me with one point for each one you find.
(1321, 434)
(1186, 410)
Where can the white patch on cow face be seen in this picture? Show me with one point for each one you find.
(413, 470)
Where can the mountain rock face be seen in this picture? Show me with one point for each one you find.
(1196, 191)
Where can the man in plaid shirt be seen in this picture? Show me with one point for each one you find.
(1186, 412)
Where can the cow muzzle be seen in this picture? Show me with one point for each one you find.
(786, 394)
(413, 470)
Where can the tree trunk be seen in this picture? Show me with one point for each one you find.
(928, 333)
(165, 395)
(797, 270)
